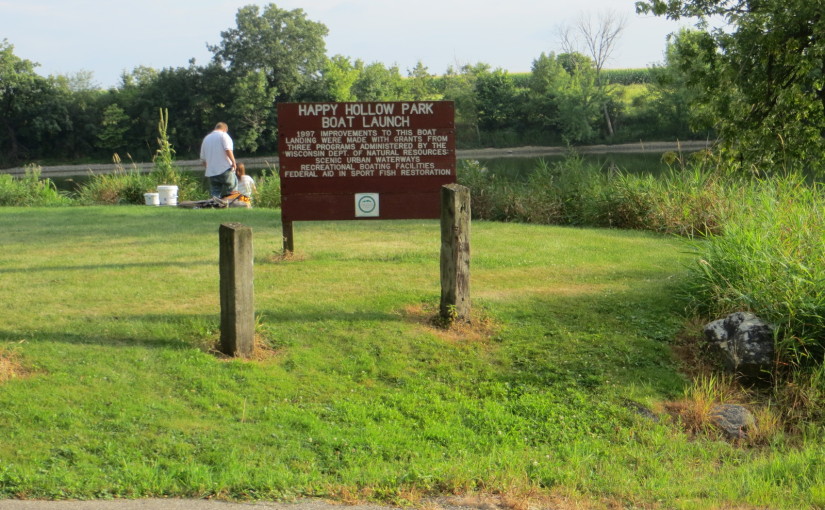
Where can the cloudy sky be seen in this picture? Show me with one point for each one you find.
(108, 37)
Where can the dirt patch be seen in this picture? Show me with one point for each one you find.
(11, 366)
(478, 329)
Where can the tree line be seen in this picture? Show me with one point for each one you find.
(275, 55)
(762, 95)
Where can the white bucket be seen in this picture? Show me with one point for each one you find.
(152, 198)
(168, 195)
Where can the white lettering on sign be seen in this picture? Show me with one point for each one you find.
(373, 140)
(307, 109)
(417, 108)
(369, 109)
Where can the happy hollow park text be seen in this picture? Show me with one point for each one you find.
(338, 158)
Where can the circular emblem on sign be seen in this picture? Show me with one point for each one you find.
(366, 204)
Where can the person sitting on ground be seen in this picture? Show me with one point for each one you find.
(246, 184)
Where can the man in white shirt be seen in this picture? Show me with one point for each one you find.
(219, 159)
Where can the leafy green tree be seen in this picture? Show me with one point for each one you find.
(196, 98)
(338, 76)
(580, 109)
(421, 84)
(673, 106)
(496, 99)
(763, 77)
(458, 85)
(575, 62)
(548, 78)
(377, 82)
(31, 108)
(85, 102)
(563, 96)
(286, 46)
(114, 126)
(253, 111)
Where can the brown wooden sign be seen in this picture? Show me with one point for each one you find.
(370, 160)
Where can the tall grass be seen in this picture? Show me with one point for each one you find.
(30, 190)
(269, 189)
(688, 200)
(127, 186)
(770, 258)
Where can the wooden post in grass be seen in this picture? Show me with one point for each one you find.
(289, 237)
(237, 291)
(455, 253)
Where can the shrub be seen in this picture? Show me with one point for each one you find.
(30, 190)
(629, 201)
(122, 186)
(119, 187)
(269, 189)
(768, 258)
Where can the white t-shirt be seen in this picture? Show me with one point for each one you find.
(245, 185)
(213, 151)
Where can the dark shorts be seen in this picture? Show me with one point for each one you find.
(223, 184)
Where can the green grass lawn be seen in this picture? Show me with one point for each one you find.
(111, 314)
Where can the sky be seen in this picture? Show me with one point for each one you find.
(109, 37)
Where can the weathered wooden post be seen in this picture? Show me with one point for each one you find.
(289, 237)
(455, 252)
(237, 290)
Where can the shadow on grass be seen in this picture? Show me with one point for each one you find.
(13, 336)
(596, 341)
(98, 267)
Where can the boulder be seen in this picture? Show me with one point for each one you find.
(745, 343)
(732, 419)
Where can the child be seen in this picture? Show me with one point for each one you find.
(246, 184)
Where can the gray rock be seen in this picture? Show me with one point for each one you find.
(734, 420)
(745, 343)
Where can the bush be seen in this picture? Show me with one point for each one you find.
(123, 187)
(269, 189)
(119, 187)
(768, 258)
(30, 190)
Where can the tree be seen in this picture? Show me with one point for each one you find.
(376, 82)
(575, 62)
(458, 85)
(114, 126)
(338, 76)
(762, 76)
(31, 110)
(421, 84)
(286, 46)
(495, 100)
(599, 39)
(253, 111)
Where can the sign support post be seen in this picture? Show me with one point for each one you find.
(289, 239)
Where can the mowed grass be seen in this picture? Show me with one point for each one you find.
(111, 314)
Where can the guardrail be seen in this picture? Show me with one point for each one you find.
(272, 161)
